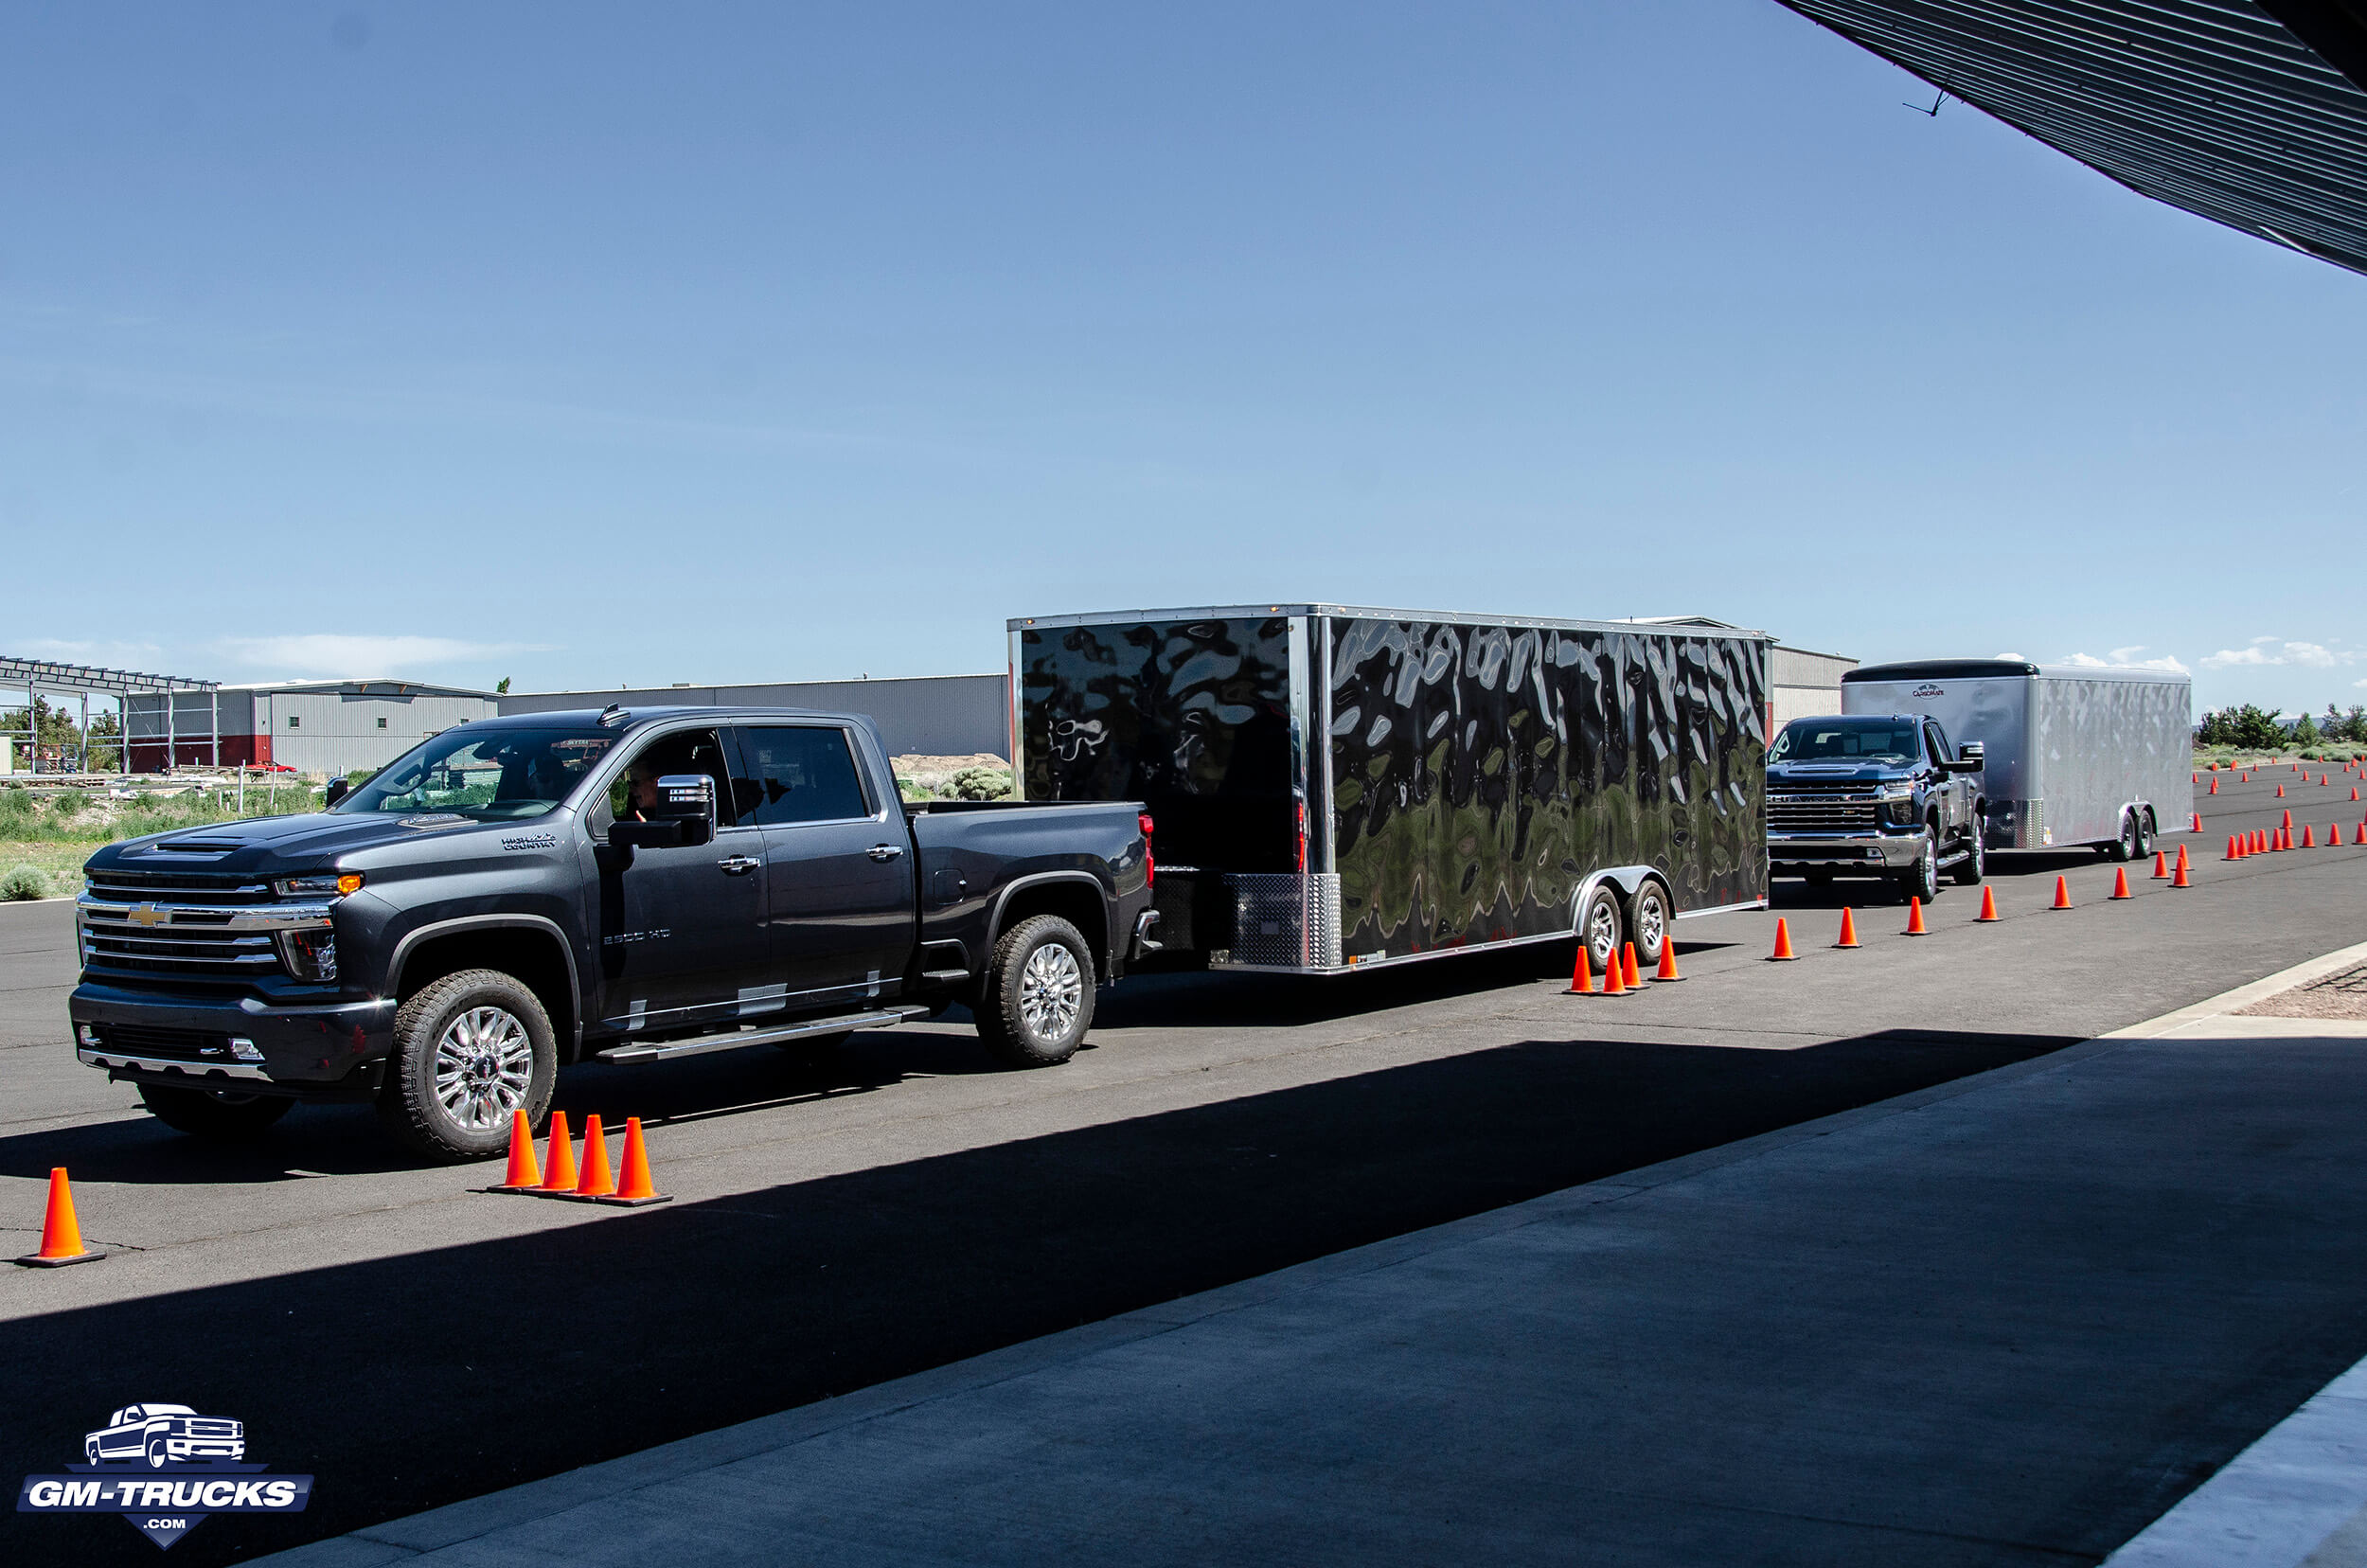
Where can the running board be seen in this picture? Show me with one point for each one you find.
(660, 1050)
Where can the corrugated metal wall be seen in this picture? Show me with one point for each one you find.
(930, 715)
(335, 732)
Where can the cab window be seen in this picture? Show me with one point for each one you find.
(682, 751)
(802, 772)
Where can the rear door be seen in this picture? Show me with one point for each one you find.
(838, 871)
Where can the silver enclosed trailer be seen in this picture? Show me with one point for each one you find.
(2074, 755)
(1334, 789)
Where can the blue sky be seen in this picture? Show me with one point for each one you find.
(596, 344)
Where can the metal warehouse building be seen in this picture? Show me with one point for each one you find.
(312, 726)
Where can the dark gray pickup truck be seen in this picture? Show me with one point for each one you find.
(525, 892)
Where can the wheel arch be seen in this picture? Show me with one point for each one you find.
(1077, 897)
(527, 946)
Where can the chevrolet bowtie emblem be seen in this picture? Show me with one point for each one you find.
(147, 914)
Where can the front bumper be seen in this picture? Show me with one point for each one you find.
(236, 1043)
(206, 1448)
(1867, 854)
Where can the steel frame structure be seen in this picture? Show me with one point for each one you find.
(35, 676)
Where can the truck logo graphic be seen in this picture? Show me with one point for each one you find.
(165, 1468)
(1928, 690)
(147, 914)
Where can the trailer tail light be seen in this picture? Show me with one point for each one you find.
(1150, 868)
(1302, 805)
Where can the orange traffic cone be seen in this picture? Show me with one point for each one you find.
(525, 1175)
(2284, 839)
(2307, 841)
(2288, 823)
(2333, 835)
(2062, 895)
(2279, 792)
(559, 1166)
(2180, 880)
(2182, 857)
(2322, 782)
(1915, 916)
(598, 1181)
(2354, 792)
(637, 1189)
(61, 1234)
(2231, 847)
(2198, 827)
(1848, 929)
(1581, 976)
(1783, 954)
(1630, 974)
(1612, 984)
(2119, 883)
(2160, 866)
(1989, 907)
(2215, 783)
(1667, 969)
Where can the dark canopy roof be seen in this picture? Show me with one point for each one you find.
(2251, 115)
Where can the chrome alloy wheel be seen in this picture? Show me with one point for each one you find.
(1051, 990)
(1602, 931)
(1651, 922)
(484, 1065)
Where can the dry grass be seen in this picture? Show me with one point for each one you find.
(2341, 995)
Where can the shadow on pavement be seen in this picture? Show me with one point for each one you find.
(406, 1382)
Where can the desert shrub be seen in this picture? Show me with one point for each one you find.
(982, 784)
(23, 882)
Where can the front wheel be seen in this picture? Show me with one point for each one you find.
(215, 1116)
(470, 1049)
(1039, 999)
(1599, 926)
(159, 1455)
(1922, 879)
(2143, 826)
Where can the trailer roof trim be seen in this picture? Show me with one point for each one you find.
(1967, 670)
(1673, 626)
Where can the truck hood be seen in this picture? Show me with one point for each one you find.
(290, 843)
(1810, 775)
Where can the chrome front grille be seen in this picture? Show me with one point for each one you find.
(116, 884)
(175, 935)
(1820, 815)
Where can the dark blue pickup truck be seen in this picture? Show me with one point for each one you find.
(530, 891)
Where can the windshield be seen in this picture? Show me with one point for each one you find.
(491, 775)
(1846, 740)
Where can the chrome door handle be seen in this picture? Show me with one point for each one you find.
(885, 851)
(737, 866)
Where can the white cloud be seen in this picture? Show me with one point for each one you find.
(2308, 654)
(2120, 660)
(2121, 656)
(348, 654)
(65, 651)
(2016, 656)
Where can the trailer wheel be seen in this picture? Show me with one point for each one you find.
(2145, 832)
(1647, 917)
(1599, 925)
(1039, 998)
(2125, 846)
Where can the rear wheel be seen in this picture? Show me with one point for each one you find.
(1975, 865)
(1039, 999)
(1648, 922)
(2143, 823)
(216, 1115)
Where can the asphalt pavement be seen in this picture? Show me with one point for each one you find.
(412, 1342)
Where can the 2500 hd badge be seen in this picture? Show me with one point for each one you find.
(165, 1468)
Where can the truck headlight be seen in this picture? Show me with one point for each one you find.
(1898, 805)
(309, 952)
(327, 882)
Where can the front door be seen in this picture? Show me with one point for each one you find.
(682, 930)
(838, 875)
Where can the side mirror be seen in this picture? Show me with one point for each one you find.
(1968, 757)
(683, 816)
(339, 788)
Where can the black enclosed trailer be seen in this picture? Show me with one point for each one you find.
(1333, 788)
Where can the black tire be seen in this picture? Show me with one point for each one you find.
(1039, 996)
(2144, 835)
(1601, 926)
(2125, 846)
(90, 1449)
(159, 1455)
(1648, 914)
(1975, 865)
(215, 1117)
(1922, 879)
(491, 1071)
